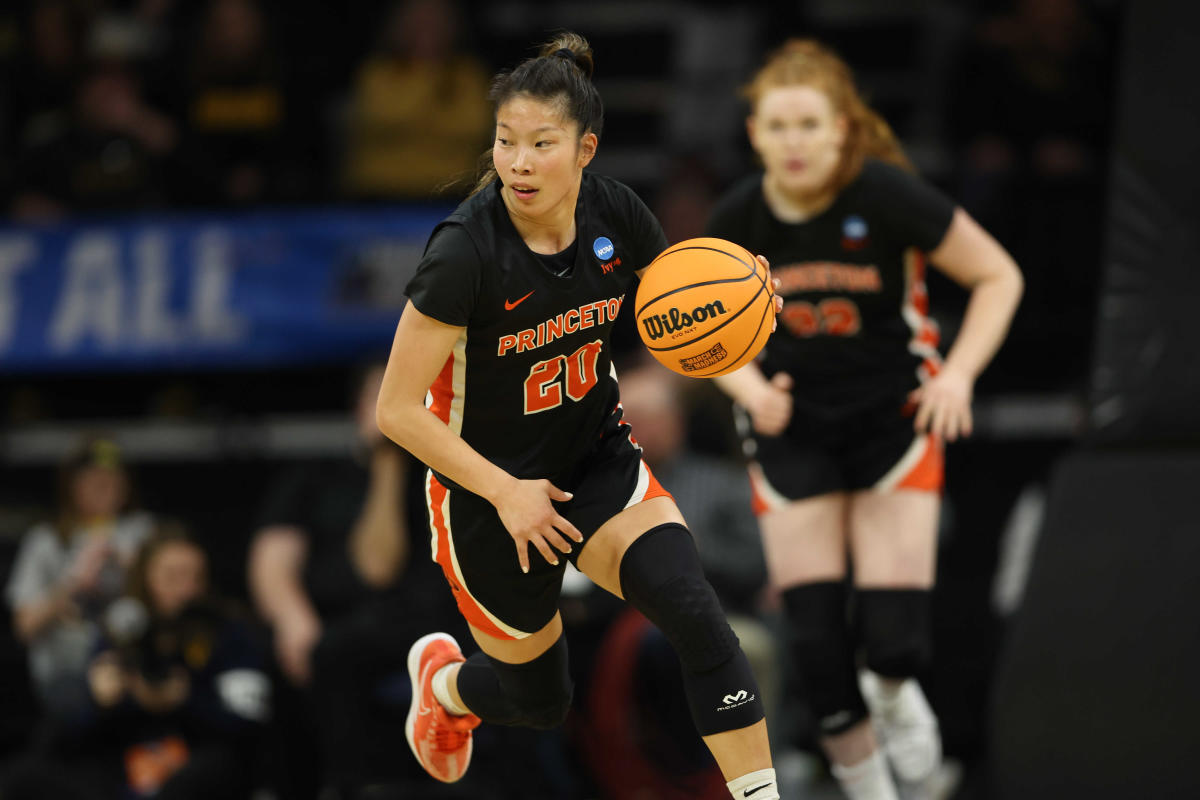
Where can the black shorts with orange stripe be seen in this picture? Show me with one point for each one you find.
(478, 556)
(873, 448)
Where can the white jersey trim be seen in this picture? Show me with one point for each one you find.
(768, 493)
(643, 485)
(916, 451)
(917, 322)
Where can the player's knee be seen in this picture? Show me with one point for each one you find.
(823, 652)
(894, 627)
(661, 576)
(539, 690)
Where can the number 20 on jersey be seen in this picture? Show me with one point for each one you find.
(574, 375)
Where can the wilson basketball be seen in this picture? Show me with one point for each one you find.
(704, 307)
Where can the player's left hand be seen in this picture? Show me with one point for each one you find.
(944, 405)
(775, 284)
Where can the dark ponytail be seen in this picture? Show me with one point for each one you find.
(560, 73)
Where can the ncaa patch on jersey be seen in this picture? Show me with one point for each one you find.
(854, 233)
(603, 248)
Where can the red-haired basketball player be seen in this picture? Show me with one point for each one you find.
(853, 369)
(507, 330)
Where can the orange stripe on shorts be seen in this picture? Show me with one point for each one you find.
(654, 488)
(928, 474)
(467, 605)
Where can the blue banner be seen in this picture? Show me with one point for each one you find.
(155, 292)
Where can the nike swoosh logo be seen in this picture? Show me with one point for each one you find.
(749, 792)
(510, 306)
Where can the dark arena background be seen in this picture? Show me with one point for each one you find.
(211, 209)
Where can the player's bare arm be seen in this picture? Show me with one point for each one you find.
(972, 258)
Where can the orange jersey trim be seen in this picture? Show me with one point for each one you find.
(467, 605)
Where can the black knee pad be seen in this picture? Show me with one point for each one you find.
(894, 627)
(823, 649)
(536, 694)
(661, 577)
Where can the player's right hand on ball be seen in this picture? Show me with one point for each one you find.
(771, 408)
(776, 285)
(530, 518)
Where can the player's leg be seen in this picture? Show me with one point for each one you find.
(520, 676)
(646, 555)
(805, 544)
(517, 681)
(894, 546)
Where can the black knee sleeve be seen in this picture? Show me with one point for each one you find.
(661, 577)
(894, 627)
(821, 645)
(536, 694)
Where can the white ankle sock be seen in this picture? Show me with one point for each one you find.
(869, 779)
(441, 692)
(759, 785)
(889, 689)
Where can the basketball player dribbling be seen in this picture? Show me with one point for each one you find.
(507, 331)
(837, 467)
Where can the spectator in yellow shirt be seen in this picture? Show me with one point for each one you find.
(418, 111)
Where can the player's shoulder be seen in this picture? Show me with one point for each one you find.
(915, 209)
(478, 205)
(596, 183)
(737, 203)
(609, 192)
(464, 233)
(452, 240)
(879, 177)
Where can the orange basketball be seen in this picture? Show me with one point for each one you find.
(704, 307)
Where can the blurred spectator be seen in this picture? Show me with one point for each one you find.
(177, 694)
(340, 571)
(105, 154)
(47, 65)
(1036, 96)
(419, 110)
(240, 143)
(68, 571)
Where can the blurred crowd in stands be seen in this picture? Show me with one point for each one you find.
(116, 106)
(123, 106)
(150, 659)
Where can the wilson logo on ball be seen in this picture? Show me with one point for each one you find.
(704, 307)
(674, 320)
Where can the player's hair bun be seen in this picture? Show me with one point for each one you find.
(573, 47)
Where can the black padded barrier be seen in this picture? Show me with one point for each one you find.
(1097, 693)
(1146, 370)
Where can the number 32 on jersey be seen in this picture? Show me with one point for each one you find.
(836, 316)
(546, 384)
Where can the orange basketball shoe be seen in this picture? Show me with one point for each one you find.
(441, 741)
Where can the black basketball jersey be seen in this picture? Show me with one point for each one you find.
(854, 326)
(530, 383)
